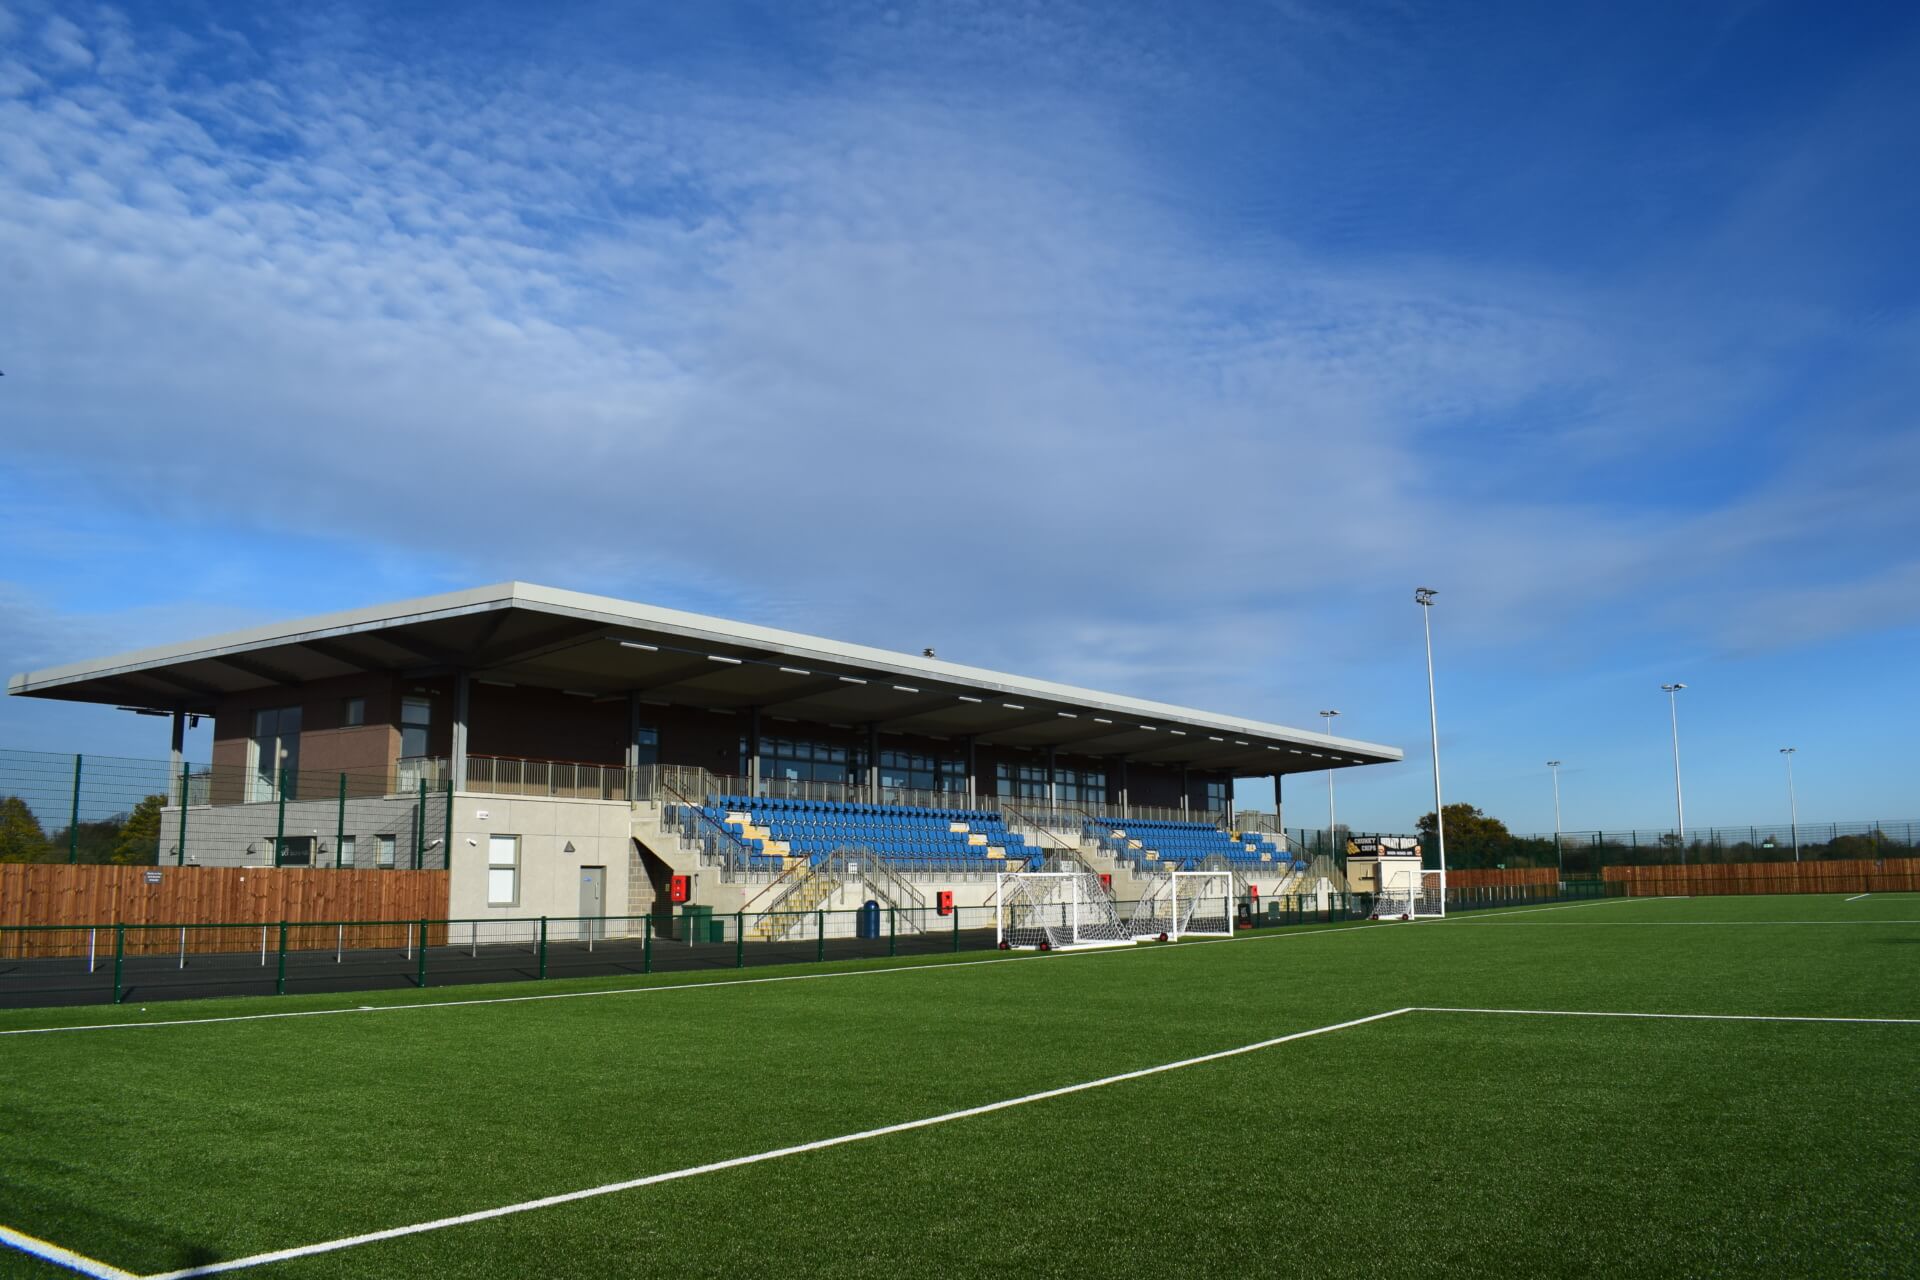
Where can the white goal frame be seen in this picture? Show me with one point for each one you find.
(1165, 911)
(1413, 895)
(1054, 911)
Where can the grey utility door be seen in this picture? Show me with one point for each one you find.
(593, 900)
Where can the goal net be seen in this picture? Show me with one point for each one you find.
(1184, 902)
(1055, 911)
(1411, 895)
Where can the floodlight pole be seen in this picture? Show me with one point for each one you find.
(1558, 859)
(1328, 716)
(1679, 803)
(1793, 804)
(1423, 596)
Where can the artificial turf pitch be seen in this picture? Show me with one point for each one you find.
(1425, 1142)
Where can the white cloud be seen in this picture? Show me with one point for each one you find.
(66, 42)
(855, 352)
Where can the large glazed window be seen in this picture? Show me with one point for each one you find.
(416, 721)
(273, 747)
(1081, 786)
(905, 769)
(799, 761)
(1022, 781)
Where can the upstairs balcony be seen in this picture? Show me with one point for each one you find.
(658, 783)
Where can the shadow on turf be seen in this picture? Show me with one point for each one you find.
(86, 1219)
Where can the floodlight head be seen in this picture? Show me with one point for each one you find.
(1424, 596)
(1671, 688)
(1553, 764)
(1787, 751)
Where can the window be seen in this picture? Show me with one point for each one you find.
(296, 851)
(503, 871)
(1216, 797)
(383, 851)
(353, 711)
(1081, 786)
(797, 761)
(416, 718)
(345, 858)
(1023, 781)
(921, 773)
(646, 747)
(273, 751)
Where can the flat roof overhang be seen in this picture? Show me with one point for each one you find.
(520, 634)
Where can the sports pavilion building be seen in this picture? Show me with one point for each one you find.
(578, 752)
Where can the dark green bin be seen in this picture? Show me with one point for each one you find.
(697, 924)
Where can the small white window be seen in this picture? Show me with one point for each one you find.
(346, 851)
(503, 871)
(353, 711)
(383, 850)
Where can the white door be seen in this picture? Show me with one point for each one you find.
(593, 901)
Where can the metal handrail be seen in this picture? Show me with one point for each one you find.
(893, 886)
(563, 779)
(696, 813)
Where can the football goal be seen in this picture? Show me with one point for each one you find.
(1183, 903)
(1054, 911)
(1411, 894)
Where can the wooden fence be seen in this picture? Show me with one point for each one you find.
(76, 898)
(1511, 877)
(1841, 875)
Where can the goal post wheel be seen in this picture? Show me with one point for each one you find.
(1163, 937)
(1005, 945)
(1046, 944)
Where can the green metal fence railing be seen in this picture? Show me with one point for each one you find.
(117, 962)
(105, 809)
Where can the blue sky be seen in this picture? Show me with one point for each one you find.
(1163, 352)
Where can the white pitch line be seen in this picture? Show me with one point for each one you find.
(347, 1242)
(1856, 897)
(1468, 917)
(673, 986)
(1692, 924)
(1682, 1017)
(47, 1251)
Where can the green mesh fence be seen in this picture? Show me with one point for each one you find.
(107, 809)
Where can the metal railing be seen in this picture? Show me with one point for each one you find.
(881, 874)
(555, 779)
(655, 782)
(116, 962)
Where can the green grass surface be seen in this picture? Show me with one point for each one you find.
(1426, 1143)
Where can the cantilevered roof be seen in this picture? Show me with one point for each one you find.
(518, 633)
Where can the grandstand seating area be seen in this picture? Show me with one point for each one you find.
(759, 833)
(1184, 846)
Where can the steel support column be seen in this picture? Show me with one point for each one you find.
(462, 703)
(753, 750)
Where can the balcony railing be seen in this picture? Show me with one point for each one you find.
(673, 783)
(558, 779)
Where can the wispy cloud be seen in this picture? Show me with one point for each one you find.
(918, 325)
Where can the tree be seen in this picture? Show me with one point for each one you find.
(1473, 838)
(139, 842)
(93, 841)
(21, 837)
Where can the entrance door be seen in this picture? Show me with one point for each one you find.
(593, 901)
